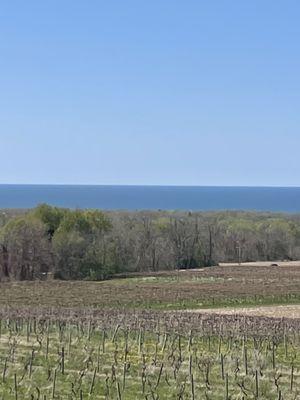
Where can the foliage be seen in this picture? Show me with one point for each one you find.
(50, 216)
(91, 244)
(25, 251)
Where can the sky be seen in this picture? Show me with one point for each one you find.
(160, 92)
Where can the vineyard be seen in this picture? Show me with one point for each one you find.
(79, 340)
(148, 355)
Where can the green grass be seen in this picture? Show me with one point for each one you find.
(230, 302)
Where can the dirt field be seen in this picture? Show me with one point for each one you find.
(209, 288)
(262, 264)
(283, 311)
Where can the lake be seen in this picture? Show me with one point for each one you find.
(286, 199)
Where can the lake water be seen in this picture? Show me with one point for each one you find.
(152, 197)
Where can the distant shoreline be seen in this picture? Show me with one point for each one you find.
(149, 185)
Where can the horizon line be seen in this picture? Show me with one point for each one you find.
(151, 185)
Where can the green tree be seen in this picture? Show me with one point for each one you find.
(82, 247)
(25, 249)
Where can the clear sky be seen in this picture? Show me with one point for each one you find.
(150, 92)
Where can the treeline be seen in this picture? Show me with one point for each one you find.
(91, 244)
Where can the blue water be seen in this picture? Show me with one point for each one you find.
(152, 197)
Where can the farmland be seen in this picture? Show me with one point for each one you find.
(145, 337)
(210, 287)
(47, 359)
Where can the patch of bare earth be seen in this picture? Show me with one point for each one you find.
(262, 264)
(284, 311)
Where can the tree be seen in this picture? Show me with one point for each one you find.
(50, 216)
(80, 245)
(25, 251)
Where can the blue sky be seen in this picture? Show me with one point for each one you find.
(150, 92)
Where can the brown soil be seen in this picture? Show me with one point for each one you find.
(209, 285)
(284, 311)
(263, 264)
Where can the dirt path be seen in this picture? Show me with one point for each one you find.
(262, 264)
(287, 311)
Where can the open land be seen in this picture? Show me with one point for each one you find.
(228, 332)
(206, 288)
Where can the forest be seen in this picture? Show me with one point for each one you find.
(96, 245)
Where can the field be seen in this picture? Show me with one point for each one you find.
(211, 287)
(46, 359)
(179, 335)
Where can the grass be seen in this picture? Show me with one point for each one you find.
(114, 340)
(230, 302)
(50, 360)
